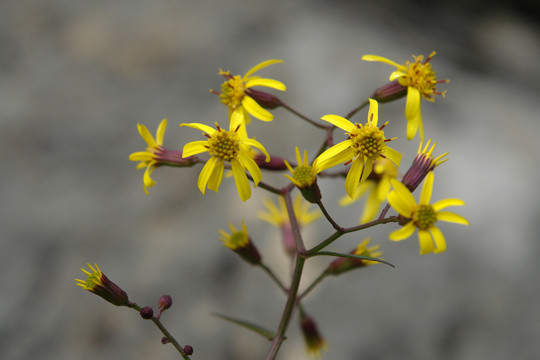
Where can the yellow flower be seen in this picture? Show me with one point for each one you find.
(365, 145)
(423, 215)
(240, 243)
(342, 264)
(423, 163)
(149, 158)
(226, 146)
(377, 185)
(99, 284)
(420, 80)
(305, 178)
(237, 94)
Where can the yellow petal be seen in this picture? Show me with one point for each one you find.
(194, 147)
(403, 193)
(204, 128)
(392, 155)
(261, 65)
(380, 59)
(383, 188)
(451, 217)
(206, 172)
(403, 233)
(373, 113)
(271, 83)
(240, 179)
(438, 237)
(427, 189)
(396, 75)
(371, 207)
(412, 111)
(215, 178)
(237, 119)
(339, 121)
(251, 166)
(402, 207)
(141, 156)
(256, 110)
(146, 135)
(441, 204)
(257, 145)
(336, 154)
(426, 242)
(368, 166)
(161, 131)
(353, 176)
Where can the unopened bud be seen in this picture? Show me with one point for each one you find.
(389, 92)
(164, 302)
(165, 340)
(275, 163)
(147, 312)
(266, 100)
(188, 350)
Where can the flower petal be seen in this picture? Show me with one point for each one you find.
(403, 233)
(339, 121)
(402, 207)
(451, 217)
(204, 128)
(373, 113)
(161, 131)
(271, 83)
(261, 65)
(412, 111)
(392, 155)
(368, 167)
(241, 179)
(251, 166)
(258, 145)
(237, 118)
(215, 178)
(441, 204)
(371, 207)
(146, 135)
(440, 243)
(396, 75)
(427, 189)
(403, 193)
(141, 156)
(256, 110)
(380, 59)
(426, 242)
(338, 153)
(194, 147)
(206, 171)
(353, 176)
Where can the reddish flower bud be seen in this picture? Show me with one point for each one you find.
(266, 100)
(164, 302)
(147, 312)
(188, 350)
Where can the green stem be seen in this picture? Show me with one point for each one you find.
(312, 122)
(312, 285)
(328, 217)
(274, 277)
(165, 332)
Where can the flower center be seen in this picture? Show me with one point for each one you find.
(424, 217)
(232, 91)
(224, 144)
(239, 239)
(368, 141)
(421, 76)
(304, 175)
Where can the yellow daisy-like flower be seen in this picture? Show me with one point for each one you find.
(377, 185)
(365, 145)
(99, 284)
(149, 158)
(420, 80)
(423, 215)
(278, 216)
(237, 94)
(304, 175)
(240, 243)
(230, 146)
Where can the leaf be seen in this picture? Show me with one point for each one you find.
(248, 325)
(351, 256)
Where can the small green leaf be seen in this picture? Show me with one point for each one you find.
(248, 325)
(351, 256)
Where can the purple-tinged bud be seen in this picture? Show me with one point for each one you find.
(342, 264)
(266, 100)
(165, 340)
(389, 92)
(100, 285)
(164, 302)
(147, 312)
(188, 350)
(422, 164)
(314, 341)
(240, 242)
(276, 163)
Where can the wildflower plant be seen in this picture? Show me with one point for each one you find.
(360, 161)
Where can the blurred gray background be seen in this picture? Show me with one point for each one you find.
(75, 79)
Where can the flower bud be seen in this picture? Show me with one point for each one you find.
(314, 340)
(266, 100)
(343, 264)
(275, 163)
(100, 285)
(164, 302)
(164, 340)
(389, 92)
(240, 242)
(422, 164)
(147, 312)
(188, 350)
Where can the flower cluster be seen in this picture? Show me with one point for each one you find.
(361, 157)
